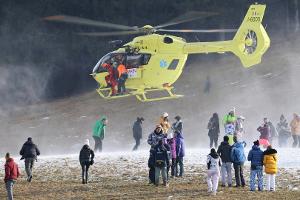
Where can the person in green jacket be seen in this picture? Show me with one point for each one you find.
(230, 118)
(99, 133)
(229, 122)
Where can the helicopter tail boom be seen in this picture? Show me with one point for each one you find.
(251, 40)
(249, 43)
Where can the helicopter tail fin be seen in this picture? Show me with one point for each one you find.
(251, 40)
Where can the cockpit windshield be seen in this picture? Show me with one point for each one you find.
(128, 59)
(98, 67)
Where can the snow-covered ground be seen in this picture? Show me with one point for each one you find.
(126, 173)
(288, 158)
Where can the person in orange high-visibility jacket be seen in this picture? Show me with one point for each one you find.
(123, 75)
(164, 122)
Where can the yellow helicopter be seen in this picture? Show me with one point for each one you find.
(154, 62)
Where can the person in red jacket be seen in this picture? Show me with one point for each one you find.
(110, 79)
(11, 175)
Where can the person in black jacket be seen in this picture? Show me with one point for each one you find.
(161, 159)
(284, 133)
(86, 158)
(177, 126)
(137, 132)
(224, 151)
(29, 152)
(213, 130)
(153, 139)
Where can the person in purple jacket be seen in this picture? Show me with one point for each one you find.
(172, 143)
(180, 153)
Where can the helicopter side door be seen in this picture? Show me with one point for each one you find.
(135, 63)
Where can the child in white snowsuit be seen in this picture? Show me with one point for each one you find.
(213, 172)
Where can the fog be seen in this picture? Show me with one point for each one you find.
(57, 106)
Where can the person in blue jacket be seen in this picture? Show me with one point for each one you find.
(238, 158)
(256, 157)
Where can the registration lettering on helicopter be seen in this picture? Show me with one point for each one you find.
(132, 73)
(254, 19)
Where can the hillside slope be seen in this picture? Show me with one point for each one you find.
(210, 83)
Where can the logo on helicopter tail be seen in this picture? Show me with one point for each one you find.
(163, 63)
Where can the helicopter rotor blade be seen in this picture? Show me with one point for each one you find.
(198, 31)
(189, 16)
(114, 33)
(88, 22)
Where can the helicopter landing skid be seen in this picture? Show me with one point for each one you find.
(141, 96)
(106, 94)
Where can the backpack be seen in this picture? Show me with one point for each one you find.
(160, 158)
(213, 163)
(229, 129)
(238, 155)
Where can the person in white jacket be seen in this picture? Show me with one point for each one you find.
(213, 171)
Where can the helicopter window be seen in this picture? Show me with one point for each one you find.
(146, 58)
(118, 58)
(133, 61)
(137, 60)
(108, 58)
(168, 40)
(173, 64)
(98, 67)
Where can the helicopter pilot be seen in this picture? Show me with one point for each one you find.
(119, 58)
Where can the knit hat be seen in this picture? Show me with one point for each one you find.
(7, 155)
(226, 138)
(177, 117)
(158, 126)
(87, 142)
(256, 143)
(103, 118)
(213, 151)
(140, 119)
